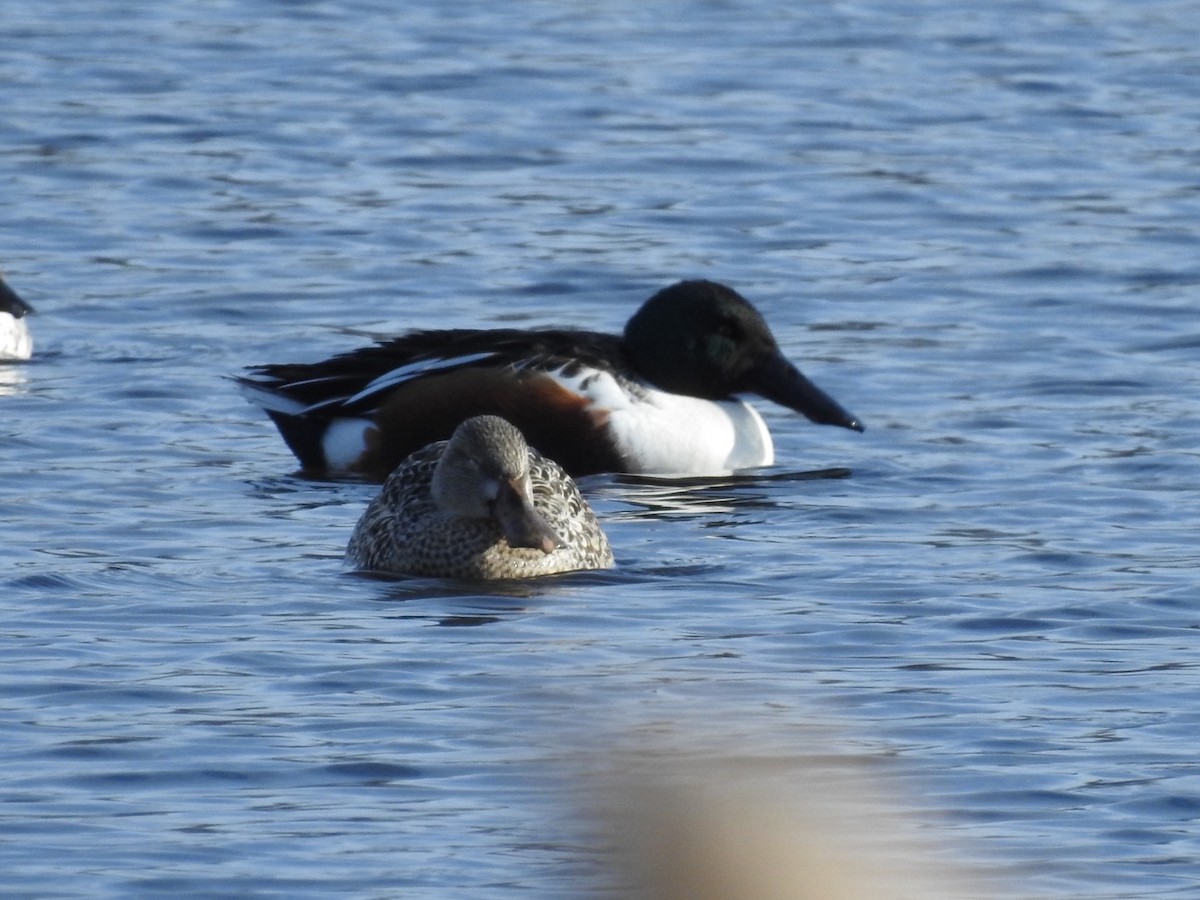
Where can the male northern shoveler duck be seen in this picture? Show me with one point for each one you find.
(15, 340)
(480, 505)
(660, 399)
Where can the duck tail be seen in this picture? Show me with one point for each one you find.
(303, 431)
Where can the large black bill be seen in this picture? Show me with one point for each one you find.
(777, 379)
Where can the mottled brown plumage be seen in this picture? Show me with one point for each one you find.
(481, 505)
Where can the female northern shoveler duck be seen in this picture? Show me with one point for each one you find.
(480, 505)
(15, 340)
(658, 400)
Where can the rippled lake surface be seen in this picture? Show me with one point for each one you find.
(977, 228)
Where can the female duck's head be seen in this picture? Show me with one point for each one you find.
(483, 473)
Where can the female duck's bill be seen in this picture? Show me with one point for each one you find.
(481, 505)
(663, 398)
(16, 342)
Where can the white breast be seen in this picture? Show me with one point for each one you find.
(671, 434)
(15, 339)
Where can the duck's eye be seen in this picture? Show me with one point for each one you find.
(490, 489)
(722, 342)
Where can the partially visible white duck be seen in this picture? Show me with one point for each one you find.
(16, 342)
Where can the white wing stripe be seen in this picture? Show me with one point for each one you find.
(402, 374)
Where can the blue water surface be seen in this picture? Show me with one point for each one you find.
(976, 227)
